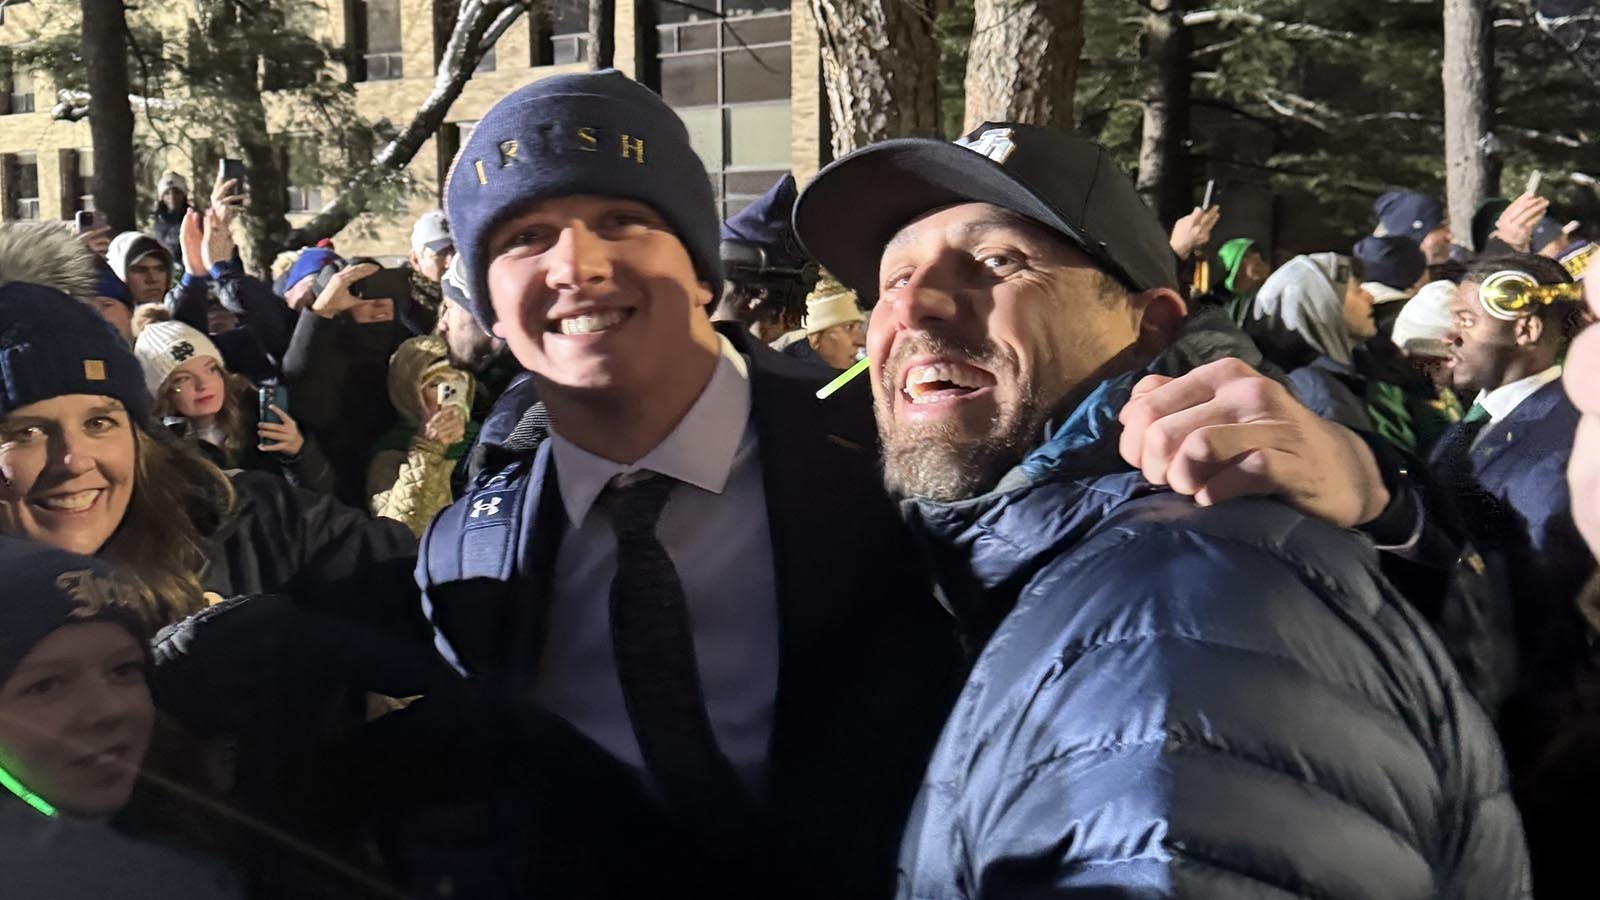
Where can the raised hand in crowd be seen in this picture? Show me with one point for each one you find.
(336, 297)
(191, 237)
(1193, 231)
(1224, 430)
(1515, 225)
(218, 244)
(282, 436)
(447, 426)
(97, 239)
(226, 201)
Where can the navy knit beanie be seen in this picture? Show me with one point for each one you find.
(1394, 261)
(52, 345)
(590, 133)
(47, 588)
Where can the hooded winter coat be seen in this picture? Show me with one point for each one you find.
(409, 479)
(1172, 700)
(1298, 321)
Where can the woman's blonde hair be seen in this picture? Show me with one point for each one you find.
(178, 499)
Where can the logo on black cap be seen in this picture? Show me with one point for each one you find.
(994, 143)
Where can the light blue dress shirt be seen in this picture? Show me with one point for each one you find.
(715, 530)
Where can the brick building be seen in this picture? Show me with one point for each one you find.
(747, 83)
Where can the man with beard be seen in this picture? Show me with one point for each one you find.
(1212, 697)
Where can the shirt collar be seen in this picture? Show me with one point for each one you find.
(699, 451)
(1502, 400)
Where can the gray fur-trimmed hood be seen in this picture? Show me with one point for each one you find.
(48, 255)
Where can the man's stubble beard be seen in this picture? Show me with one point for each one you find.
(941, 461)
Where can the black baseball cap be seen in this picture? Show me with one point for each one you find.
(1071, 185)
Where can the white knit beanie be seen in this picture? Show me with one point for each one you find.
(1424, 324)
(830, 304)
(171, 180)
(163, 346)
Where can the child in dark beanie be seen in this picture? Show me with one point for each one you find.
(76, 720)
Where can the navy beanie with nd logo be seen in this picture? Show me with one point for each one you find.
(595, 133)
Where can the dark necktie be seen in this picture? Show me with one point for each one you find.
(654, 643)
(1455, 453)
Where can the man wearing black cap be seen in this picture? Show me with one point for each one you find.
(695, 593)
(1172, 698)
(768, 275)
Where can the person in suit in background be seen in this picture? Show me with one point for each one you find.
(1503, 469)
(757, 700)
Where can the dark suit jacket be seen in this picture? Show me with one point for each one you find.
(1513, 500)
(1517, 492)
(867, 667)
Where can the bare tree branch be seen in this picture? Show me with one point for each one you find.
(478, 25)
(1292, 30)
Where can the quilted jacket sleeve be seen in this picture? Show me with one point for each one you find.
(1179, 715)
(419, 489)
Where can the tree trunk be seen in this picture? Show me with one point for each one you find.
(1468, 138)
(1022, 65)
(602, 33)
(105, 50)
(882, 70)
(477, 28)
(1164, 145)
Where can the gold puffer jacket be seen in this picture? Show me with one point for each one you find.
(412, 485)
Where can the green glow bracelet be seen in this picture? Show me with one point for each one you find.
(844, 378)
(29, 797)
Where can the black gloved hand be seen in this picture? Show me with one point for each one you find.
(218, 667)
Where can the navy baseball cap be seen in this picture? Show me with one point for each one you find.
(1407, 214)
(769, 224)
(846, 216)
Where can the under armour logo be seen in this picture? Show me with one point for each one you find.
(994, 143)
(182, 350)
(489, 507)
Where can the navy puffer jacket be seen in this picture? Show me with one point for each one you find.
(1176, 701)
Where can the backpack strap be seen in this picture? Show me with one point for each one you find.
(473, 562)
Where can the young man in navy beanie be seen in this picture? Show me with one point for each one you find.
(760, 692)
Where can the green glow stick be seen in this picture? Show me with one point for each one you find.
(844, 378)
(29, 797)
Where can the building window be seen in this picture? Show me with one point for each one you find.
(17, 94)
(302, 173)
(77, 181)
(85, 183)
(25, 187)
(728, 79)
(378, 40)
(560, 33)
(21, 90)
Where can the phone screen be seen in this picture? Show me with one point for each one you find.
(390, 283)
(232, 170)
(1533, 182)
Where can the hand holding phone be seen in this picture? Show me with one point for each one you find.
(268, 395)
(451, 392)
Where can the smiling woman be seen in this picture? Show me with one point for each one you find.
(83, 469)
